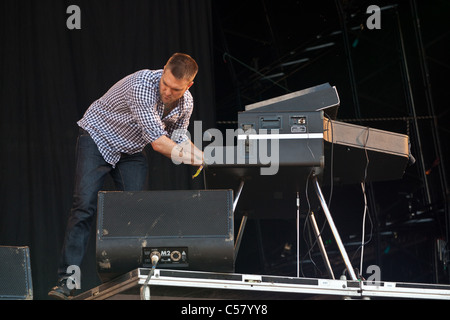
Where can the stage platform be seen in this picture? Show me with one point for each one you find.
(167, 284)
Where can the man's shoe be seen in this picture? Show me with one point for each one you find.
(61, 292)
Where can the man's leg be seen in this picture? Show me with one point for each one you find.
(91, 170)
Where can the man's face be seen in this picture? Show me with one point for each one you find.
(170, 88)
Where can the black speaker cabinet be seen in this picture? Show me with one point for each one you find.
(15, 273)
(191, 230)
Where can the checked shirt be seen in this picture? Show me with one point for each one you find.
(130, 116)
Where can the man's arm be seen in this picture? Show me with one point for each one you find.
(185, 152)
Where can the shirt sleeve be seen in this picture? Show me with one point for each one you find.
(142, 101)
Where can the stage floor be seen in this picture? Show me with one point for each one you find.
(165, 284)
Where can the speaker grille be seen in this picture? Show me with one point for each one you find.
(15, 273)
(164, 214)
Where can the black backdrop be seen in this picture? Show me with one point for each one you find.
(50, 75)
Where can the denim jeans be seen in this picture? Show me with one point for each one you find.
(91, 171)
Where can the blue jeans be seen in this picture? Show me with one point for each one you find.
(91, 171)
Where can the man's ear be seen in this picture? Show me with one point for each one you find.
(190, 84)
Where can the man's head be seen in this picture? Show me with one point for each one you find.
(178, 76)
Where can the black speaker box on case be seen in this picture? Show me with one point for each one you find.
(185, 229)
(15, 273)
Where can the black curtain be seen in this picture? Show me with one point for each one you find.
(50, 75)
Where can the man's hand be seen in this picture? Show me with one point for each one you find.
(185, 152)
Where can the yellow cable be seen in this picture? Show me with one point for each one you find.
(198, 172)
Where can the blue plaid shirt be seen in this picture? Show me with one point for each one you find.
(130, 115)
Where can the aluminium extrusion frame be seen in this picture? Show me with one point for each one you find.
(250, 286)
(252, 283)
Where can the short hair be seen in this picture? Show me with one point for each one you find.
(182, 66)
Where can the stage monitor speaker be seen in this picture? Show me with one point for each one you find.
(15, 273)
(186, 229)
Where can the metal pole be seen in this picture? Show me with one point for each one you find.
(243, 221)
(238, 194)
(413, 111)
(432, 113)
(321, 246)
(348, 55)
(239, 236)
(298, 235)
(334, 229)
